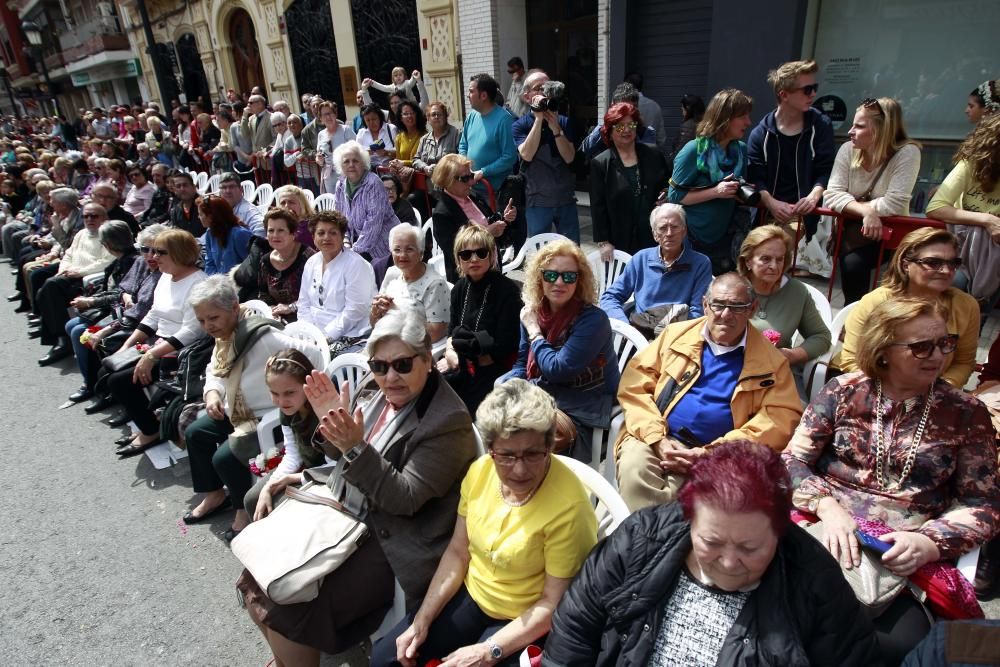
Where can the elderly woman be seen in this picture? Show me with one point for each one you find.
(223, 155)
(159, 141)
(227, 241)
(783, 304)
(441, 139)
(208, 138)
(274, 156)
(272, 271)
(222, 442)
(873, 176)
(491, 596)
(624, 184)
(400, 205)
(667, 282)
(896, 451)
(295, 159)
(484, 332)
(705, 176)
(140, 195)
(362, 199)
(923, 267)
(333, 134)
(338, 285)
(409, 284)
(169, 325)
(459, 205)
(377, 137)
(401, 462)
(293, 199)
(720, 578)
(566, 345)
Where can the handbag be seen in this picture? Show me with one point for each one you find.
(125, 357)
(307, 536)
(852, 238)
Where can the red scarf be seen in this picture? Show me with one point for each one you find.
(554, 326)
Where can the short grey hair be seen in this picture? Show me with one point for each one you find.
(732, 279)
(341, 151)
(278, 117)
(406, 228)
(256, 98)
(218, 290)
(513, 407)
(116, 235)
(407, 325)
(149, 234)
(66, 197)
(675, 211)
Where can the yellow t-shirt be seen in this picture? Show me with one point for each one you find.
(406, 147)
(513, 548)
(960, 190)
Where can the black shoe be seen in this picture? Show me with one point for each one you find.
(16, 296)
(58, 352)
(134, 449)
(230, 534)
(34, 321)
(23, 308)
(987, 571)
(190, 518)
(119, 420)
(125, 440)
(35, 333)
(102, 403)
(81, 394)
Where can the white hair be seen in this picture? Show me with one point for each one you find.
(675, 211)
(407, 325)
(278, 117)
(341, 151)
(218, 290)
(406, 228)
(513, 407)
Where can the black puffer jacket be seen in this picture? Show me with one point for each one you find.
(803, 612)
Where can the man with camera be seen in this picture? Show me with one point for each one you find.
(546, 155)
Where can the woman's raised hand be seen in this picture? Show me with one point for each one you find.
(321, 393)
(340, 428)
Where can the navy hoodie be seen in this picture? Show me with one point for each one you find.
(814, 156)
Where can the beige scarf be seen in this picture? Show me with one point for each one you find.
(242, 417)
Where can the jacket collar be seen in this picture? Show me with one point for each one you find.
(756, 359)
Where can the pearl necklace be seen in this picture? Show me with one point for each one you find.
(515, 503)
(882, 450)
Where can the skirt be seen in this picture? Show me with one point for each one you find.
(350, 606)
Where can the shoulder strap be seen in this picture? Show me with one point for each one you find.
(871, 188)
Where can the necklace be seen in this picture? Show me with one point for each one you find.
(482, 306)
(882, 462)
(515, 503)
(762, 305)
(279, 259)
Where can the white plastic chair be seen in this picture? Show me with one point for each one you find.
(530, 247)
(348, 369)
(436, 264)
(312, 333)
(480, 445)
(92, 279)
(213, 184)
(428, 228)
(249, 187)
(603, 493)
(814, 372)
(420, 218)
(259, 308)
(608, 272)
(324, 202)
(310, 197)
(627, 340)
(263, 196)
(610, 473)
(822, 305)
(201, 181)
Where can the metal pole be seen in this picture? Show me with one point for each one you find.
(158, 72)
(10, 94)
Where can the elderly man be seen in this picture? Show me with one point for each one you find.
(701, 382)
(231, 190)
(255, 126)
(41, 258)
(667, 281)
(310, 133)
(108, 196)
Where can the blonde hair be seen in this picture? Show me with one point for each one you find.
(447, 168)
(757, 237)
(295, 191)
(886, 116)
(881, 327)
(474, 236)
(181, 247)
(725, 105)
(896, 280)
(514, 407)
(787, 75)
(586, 284)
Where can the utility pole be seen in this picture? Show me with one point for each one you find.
(158, 71)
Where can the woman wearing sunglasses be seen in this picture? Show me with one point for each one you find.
(402, 459)
(460, 205)
(566, 344)
(897, 452)
(923, 267)
(484, 331)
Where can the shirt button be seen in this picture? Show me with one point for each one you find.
(635, 596)
(746, 640)
(624, 637)
(645, 628)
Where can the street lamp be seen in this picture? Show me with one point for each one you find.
(5, 75)
(34, 36)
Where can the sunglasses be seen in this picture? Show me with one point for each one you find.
(466, 255)
(159, 252)
(402, 366)
(145, 249)
(466, 178)
(510, 460)
(922, 349)
(808, 90)
(734, 308)
(622, 128)
(568, 277)
(936, 263)
(873, 104)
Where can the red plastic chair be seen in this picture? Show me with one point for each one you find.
(893, 232)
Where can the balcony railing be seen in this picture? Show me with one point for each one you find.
(100, 34)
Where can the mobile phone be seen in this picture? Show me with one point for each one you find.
(871, 542)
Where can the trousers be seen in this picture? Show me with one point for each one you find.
(641, 480)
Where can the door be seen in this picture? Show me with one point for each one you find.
(246, 54)
(314, 51)
(192, 70)
(387, 36)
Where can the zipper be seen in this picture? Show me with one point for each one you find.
(798, 188)
(775, 185)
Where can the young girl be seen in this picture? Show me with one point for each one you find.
(286, 375)
(401, 86)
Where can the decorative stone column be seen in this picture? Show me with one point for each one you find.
(437, 25)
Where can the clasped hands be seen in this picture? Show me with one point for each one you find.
(675, 456)
(337, 424)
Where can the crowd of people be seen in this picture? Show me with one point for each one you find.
(759, 519)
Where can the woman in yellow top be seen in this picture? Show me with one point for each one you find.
(413, 126)
(525, 525)
(924, 266)
(969, 199)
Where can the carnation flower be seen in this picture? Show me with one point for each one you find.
(772, 335)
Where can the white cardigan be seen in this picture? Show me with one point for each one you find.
(891, 194)
(348, 288)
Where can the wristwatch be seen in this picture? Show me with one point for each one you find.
(495, 651)
(353, 452)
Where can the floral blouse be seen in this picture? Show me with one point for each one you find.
(950, 494)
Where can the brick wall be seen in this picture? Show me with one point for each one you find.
(477, 21)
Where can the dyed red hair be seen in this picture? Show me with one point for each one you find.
(740, 476)
(616, 114)
(221, 214)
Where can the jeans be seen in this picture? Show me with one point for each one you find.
(565, 218)
(86, 360)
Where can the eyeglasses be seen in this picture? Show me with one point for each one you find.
(91, 216)
(807, 90)
(145, 249)
(568, 277)
(402, 366)
(406, 250)
(734, 308)
(873, 104)
(466, 178)
(622, 128)
(936, 263)
(922, 349)
(159, 252)
(510, 460)
(466, 255)
(277, 124)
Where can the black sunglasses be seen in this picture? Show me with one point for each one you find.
(810, 89)
(159, 252)
(144, 249)
(922, 349)
(936, 263)
(872, 103)
(466, 255)
(402, 366)
(569, 277)
(466, 178)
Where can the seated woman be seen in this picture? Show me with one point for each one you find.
(485, 331)
(441, 139)
(512, 555)
(221, 443)
(969, 201)
(400, 205)
(361, 197)
(783, 303)
(566, 346)
(923, 267)
(898, 452)
(295, 160)
(227, 241)
(873, 176)
(272, 271)
(661, 278)
(459, 205)
(413, 126)
(402, 460)
(169, 325)
(409, 284)
(706, 173)
(140, 195)
(377, 138)
(337, 286)
(721, 577)
(293, 199)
